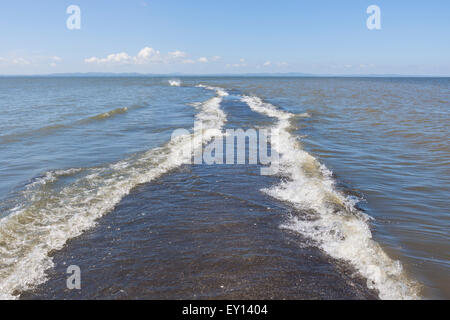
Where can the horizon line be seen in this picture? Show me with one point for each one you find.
(175, 74)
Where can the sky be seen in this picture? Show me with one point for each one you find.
(207, 37)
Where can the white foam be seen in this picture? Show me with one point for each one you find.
(175, 83)
(51, 176)
(220, 91)
(46, 220)
(333, 222)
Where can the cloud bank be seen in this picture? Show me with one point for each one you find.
(148, 55)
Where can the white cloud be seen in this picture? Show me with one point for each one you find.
(188, 61)
(146, 55)
(203, 59)
(15, 60)
(216, 58)
(119, 58)
(91, 60)
(21, 61)
(54, 61)
(177, 54)
(279, 64)
(238, 65)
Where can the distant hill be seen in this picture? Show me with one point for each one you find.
(286, 74)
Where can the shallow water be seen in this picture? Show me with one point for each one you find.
(359, 208)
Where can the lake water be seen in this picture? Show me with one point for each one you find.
(358, 207)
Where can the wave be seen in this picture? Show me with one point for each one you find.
(175, 83)
(50, 129)
(106, 115)
(333, 222)
(52, 213)
(11, 138)
(111, 113)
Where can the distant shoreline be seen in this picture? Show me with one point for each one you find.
(247, 75)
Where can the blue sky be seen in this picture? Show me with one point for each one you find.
(198, 36)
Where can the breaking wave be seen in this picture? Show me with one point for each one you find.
(175, 83)
(331, 219)
(52, 212)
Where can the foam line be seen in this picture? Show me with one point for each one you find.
(333, 223)
(48, 217)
